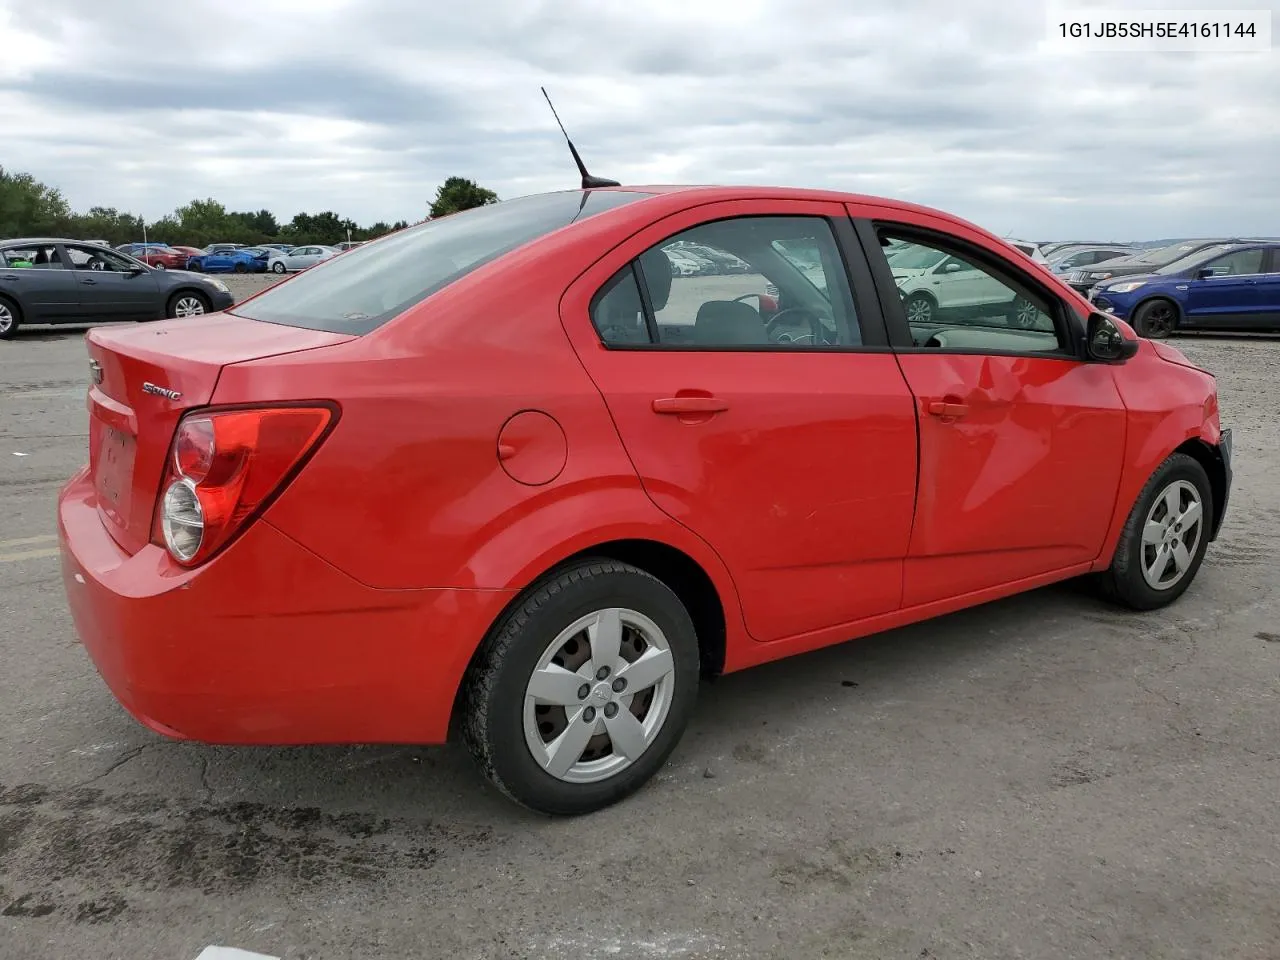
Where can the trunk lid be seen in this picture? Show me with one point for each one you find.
(143, 379)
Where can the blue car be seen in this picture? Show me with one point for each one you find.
(246, 260)
(1229, 286)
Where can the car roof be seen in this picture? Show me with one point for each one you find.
(28, 241)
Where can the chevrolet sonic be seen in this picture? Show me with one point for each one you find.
(515, 467)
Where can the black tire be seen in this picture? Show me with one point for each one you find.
(923, 306)
(195, 267)
(1021, 314)
(171, 308)
(1124, 582)
(493, 693)
(240, 268)
(278, 268)
(1155, 319)
(9, 330)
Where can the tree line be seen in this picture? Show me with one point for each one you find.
(30, 208)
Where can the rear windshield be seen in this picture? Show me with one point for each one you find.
(358, 291)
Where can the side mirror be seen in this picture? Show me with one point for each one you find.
(1104, 341)
(953, 267)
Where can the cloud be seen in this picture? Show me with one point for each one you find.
(364, 106)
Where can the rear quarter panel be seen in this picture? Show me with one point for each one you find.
(1168, 404)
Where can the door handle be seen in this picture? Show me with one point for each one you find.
(685, 405)
(88, 280)
(12, 276)
(948, 409)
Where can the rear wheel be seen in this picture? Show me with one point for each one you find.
(1164, 540)
(187, 303)
(1155, 319)
(241, 268)
(10, 318)
(1022, 313)
(584, 689)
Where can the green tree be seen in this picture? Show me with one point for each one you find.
(29, 207)
(459, 193)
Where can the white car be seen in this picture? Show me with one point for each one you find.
(299, 258)
(682, 265)
(932, 283)
(1032, 250)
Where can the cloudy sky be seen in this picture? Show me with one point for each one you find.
(364, 106)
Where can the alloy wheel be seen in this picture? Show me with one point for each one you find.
(6, 318)
(919, 310)
(1171, 535)
(188, 307)
(599, 695)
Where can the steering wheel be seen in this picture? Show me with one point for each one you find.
(815, 325)
(95, 263)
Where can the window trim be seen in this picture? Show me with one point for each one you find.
(866, 305)
(1066, 320)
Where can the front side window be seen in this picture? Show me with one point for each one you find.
(759, 282)
(44, 257)
(365, 287)
(1239, 264)
(100, 258)
(962, 303)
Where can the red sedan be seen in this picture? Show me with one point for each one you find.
(504, 466)
(165, 258)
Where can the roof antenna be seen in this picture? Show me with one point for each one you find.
(588, 181)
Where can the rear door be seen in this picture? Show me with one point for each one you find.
(785, 440)
(1230, 296)
(1269, 292)
(46, 291)
(1021, 441)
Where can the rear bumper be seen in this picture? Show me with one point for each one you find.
(267, 643)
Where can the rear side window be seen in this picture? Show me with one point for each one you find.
(369, 285)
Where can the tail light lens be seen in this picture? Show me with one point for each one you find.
(224, 468)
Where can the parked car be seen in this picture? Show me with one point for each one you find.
(320, 522)
(1231, 286)
(1029, 248)
(347, 245)
(241, 260)
(299, 258)
(1075, 258)
(70, 281)
(163, 258)
(223, 247)
(282, 247)
(1142, 262)
(935, 285)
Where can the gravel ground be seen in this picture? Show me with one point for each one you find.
(1043, 777)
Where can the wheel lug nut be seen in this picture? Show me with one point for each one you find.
(584, 691)
(589, 714)
(610, 710)
(602, 673)
(619, 685)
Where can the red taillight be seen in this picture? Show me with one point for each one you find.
(225, 467)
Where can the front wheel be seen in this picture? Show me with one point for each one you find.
(240, 268)
(920, 308)
(277, 268)
(1155, 319)
(188, 303)
(584, 689)
(1164, 540)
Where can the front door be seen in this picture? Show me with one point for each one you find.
(1269, 292)
(1021, 442)
(773, 436)
(109, 289)
(1229, 295)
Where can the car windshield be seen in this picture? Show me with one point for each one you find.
(1195, 259)
(915, 258)
(365, 287)
(1171, 254)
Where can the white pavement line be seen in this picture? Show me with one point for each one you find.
(231, 953)
(24, 541)
(27, 555)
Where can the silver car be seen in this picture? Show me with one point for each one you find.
(299, 258)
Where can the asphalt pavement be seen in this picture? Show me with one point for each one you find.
(1042, 777)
